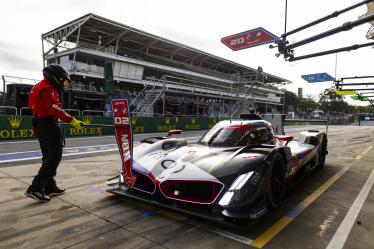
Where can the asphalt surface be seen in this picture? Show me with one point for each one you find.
(330, 208)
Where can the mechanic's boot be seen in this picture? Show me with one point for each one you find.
(37, 194)
(54, 191)
(51, 189)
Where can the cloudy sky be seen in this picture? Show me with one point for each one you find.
(197, 23)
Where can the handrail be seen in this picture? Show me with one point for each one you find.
(73, 110)
(94, 111)
(23, 108)
(9, 107)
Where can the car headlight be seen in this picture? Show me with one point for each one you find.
(237, 189)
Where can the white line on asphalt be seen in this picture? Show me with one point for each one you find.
(65, 148)
(85, 138)
(341, 235)
(64, 155)
(69, 154)
(140, 135)
(35, 140)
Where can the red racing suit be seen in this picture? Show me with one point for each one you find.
(44, 102)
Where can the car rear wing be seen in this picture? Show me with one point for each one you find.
(279, 121)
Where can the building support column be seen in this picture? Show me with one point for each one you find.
(77, 46)
(197, 106)
(163, 104)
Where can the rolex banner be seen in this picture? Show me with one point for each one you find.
(15, 127)
(19, 127)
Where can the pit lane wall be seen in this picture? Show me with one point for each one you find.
(19, 127)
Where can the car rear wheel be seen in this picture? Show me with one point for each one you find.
(322, 152)
(276, 186)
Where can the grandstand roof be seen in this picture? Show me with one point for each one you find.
(92, 28)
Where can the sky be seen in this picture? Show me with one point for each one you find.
(200, 24)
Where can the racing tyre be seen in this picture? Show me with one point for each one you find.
(276, 186)
(322, 152)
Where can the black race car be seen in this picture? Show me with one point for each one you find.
(238, 170)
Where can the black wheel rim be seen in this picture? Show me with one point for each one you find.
(277, 182)
(322, 152)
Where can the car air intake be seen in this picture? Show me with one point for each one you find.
(201, 192)
(144, 183)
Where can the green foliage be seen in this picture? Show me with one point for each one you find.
(307, 104)
(330, 101)
(290, 99)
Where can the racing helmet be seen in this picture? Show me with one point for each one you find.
(57, 75)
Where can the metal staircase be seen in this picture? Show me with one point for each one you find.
(146, 99)
(244, 103)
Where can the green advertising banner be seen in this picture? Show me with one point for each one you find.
(108, 76)
(15, 127)
(19, 127)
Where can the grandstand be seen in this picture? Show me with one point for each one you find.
(159, 76)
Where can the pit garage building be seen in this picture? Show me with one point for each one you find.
(108, 59)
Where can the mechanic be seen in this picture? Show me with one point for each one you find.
(45, 104)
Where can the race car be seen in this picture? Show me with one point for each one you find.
(238, 170)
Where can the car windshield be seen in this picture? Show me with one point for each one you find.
(235, 135)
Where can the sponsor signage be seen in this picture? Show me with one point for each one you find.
(366, 120)
(19, 127)
(15, 129)
(359, 97)
(251, 38)
(317, 77)
(346, 92)
(124, 138)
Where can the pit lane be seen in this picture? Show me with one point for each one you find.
(314, 213)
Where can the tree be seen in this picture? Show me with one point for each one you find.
(331, 102)
(290, 100)
(307, 104)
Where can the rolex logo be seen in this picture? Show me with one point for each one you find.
(133, 120)
(15, 121)
(193, 120)
(167, 120)
(87, 119)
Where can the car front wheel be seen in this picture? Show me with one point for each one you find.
(276, 186)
